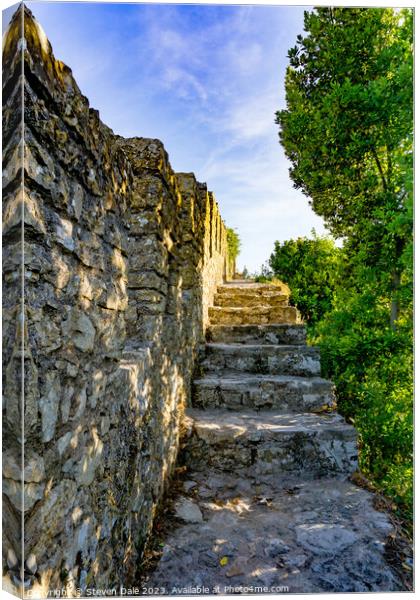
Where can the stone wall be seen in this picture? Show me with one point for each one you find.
(118, 259)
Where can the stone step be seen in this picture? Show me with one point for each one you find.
(251, 300)
(267, 443)
(239, 281)
(261, 359)
(281, 392)
(246, 288)
(256, 315)
(257, 334)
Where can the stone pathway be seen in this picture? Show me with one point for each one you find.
(268, 505)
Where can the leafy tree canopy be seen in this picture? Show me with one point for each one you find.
(348, 125)
(348, 131)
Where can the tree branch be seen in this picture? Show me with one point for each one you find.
(378, 164)
(389, 163)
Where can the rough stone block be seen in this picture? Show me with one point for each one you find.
(79, 329)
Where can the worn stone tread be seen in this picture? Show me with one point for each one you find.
(267, 299)
(231, 379)
(257, 334)
(233, 292)
(218, 425)
(313, 536)
(256, 315)
(270, 444)
(253, 286)
(262, 307)
(287, 393)
(262, 347)
(284, 359)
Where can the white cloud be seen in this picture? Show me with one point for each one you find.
(250, 117)
(183, 83)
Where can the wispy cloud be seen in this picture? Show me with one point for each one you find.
(207, 80)
(183, 83)
(250, 117)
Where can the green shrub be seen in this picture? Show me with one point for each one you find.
(310, 268)
(372, 367)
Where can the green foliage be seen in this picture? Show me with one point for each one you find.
(310, 268)
(265, 275)
(234, 244)
(262, 279)
(348, 132)
(385, 423)
(349, 113)
(348, 128)
(372, 367)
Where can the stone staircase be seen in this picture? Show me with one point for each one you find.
(260, 403)
(252, 304)
(267, 504)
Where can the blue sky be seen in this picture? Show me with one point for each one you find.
(206, 80)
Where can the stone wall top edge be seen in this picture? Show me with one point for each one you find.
(39, 50)
(212, 198)
(10, 41)
(139, 139)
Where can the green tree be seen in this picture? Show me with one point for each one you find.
(310, 268)
(348, 130)
(234, 247)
